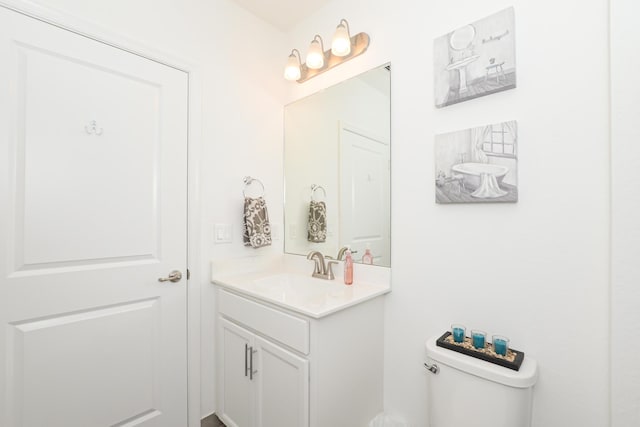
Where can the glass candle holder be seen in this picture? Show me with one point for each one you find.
(458, 332)
(500, 345)
(478, 339)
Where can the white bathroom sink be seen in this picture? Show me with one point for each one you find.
(298, 289)
(300, 292)
(287, 279)
(297, 284)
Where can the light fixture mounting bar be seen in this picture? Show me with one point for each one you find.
(359, 45)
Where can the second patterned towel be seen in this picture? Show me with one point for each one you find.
(317, 225)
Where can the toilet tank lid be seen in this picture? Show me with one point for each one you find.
(524, 378)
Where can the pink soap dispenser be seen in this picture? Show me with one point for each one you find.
(367, 258)
(348, 268)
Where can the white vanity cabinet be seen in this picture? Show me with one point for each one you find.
(278, 396)
(278, 368)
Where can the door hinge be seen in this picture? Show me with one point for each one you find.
(188, 274)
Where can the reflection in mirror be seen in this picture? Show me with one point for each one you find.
(337, 169)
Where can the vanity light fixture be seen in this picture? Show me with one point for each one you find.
(315, 56)
(292, 70)
(341, 43)
(343, 48)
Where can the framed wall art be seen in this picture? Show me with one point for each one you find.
(476, 60)
(478, 165)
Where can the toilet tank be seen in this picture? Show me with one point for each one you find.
(471, 392)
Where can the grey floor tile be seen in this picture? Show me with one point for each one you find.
(211, 421)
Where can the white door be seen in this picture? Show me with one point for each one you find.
(364, 194)
(282, 381)
(234, 402)
(93, 195)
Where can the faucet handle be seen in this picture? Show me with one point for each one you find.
(330, 274)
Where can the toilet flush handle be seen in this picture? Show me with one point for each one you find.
(432, 368)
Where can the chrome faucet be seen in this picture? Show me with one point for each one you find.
(320, 269)
(318, 258)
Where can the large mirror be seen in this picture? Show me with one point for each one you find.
(337, 169)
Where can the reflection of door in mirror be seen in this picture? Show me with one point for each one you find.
(364, 193)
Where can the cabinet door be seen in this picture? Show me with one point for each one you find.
(234, 404)
(282, 386)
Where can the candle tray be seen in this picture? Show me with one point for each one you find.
(513, 359)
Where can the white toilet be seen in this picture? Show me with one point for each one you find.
(465, 391)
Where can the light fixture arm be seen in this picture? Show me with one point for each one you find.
(345, 23)
(317, 36)
(296, 51)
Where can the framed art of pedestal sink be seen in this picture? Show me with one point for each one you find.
(476, 60)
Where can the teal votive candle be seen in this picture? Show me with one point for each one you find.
(478, 339)
(500, 345)
(458, 332)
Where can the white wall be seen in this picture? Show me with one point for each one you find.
(536, 271)
(625, 142)
(241, 67)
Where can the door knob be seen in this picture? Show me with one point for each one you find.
(174, 277)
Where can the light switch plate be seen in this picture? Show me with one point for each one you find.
(222, 233)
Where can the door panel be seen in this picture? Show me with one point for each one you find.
(115, 157)
(93, 145)
(44, 365)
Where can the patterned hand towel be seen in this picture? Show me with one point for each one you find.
(257, 230)
(317, 226)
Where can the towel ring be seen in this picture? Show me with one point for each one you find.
(314, 188)
(248, 181)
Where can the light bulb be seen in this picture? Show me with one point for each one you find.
(292, 69)
(315, 56)
(341, 43)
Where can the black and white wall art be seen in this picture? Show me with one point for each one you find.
(476, 60)
(478, 165)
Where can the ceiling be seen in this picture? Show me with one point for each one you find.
(283, 14)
